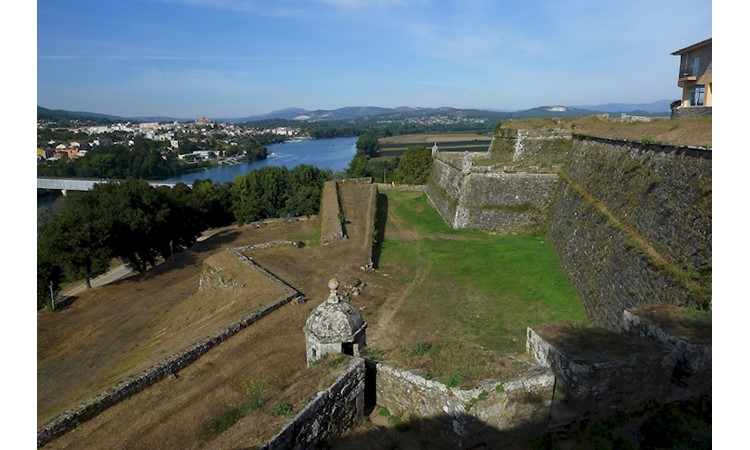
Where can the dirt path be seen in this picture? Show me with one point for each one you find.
(382, 333)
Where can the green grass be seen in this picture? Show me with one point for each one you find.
(480, 289)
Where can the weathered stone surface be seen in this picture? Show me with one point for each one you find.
(334, 326)
(623, 375)
(490, 201)
(328, 415)
(662, 193)
(693, 352)
(510, 405)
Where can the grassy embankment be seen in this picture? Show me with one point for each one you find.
(476, 293)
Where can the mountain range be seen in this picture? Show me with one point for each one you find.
(365, 113)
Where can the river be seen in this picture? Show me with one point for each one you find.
(334, 154)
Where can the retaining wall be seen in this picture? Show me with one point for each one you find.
(329, 414)
(331, 228)
(489, 200)
(599, 371)
(690, 112)
(461, 416)
(620, 204)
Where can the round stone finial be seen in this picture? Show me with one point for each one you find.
(333, 284)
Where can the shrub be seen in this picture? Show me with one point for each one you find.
(282, 409)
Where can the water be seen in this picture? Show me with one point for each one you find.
(335, 154)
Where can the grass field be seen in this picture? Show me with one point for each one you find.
(475, 293)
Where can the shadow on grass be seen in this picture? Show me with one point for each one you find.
(380, 220)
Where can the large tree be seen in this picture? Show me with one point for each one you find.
(260, 194)
(76, 238)
(414, 166)
(146, 222)
(305, 189)
(368, 145)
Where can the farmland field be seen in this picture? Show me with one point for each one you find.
(469, 142)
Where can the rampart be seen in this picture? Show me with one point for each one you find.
(331, 225)
(632, 225)
(631, 221)
(494, 201)
(532, 146)
(329, 414)
(461, 416)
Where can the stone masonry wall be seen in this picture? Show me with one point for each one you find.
(443, 188)
(489, 201)
(596, 384)
(690, 112)
(543, 146)
(461, 415)
(331, 228)
(621, 203)
(329, 414)
(504, 201)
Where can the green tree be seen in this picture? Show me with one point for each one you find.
(260, 194)
(75, 238)
(146, 222)
(368, 144)
(212, 202)
(49, 273)
(357, 166)
(305, 189)
(414, 166)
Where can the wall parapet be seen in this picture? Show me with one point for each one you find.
(332, 412)
(512, 405)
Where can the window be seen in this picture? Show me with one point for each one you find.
(697, 95)
(696, 66)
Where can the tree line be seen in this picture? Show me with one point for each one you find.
(138, 224)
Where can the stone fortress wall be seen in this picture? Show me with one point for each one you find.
(632, 225)
(486, 200)
(332, 412)
(631, 222)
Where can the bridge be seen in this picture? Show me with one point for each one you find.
(85, 184)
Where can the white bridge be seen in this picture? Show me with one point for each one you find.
(85, 184)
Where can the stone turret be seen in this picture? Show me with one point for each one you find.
(334, 326)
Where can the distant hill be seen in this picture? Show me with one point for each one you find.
(660, 106)
(364, 114)
(68, 117)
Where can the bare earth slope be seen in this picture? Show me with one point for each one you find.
(114, 331)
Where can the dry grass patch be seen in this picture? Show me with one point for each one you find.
(681, 132)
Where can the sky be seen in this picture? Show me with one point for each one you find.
(238, 58)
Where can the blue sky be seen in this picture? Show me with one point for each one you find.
(233, 58)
